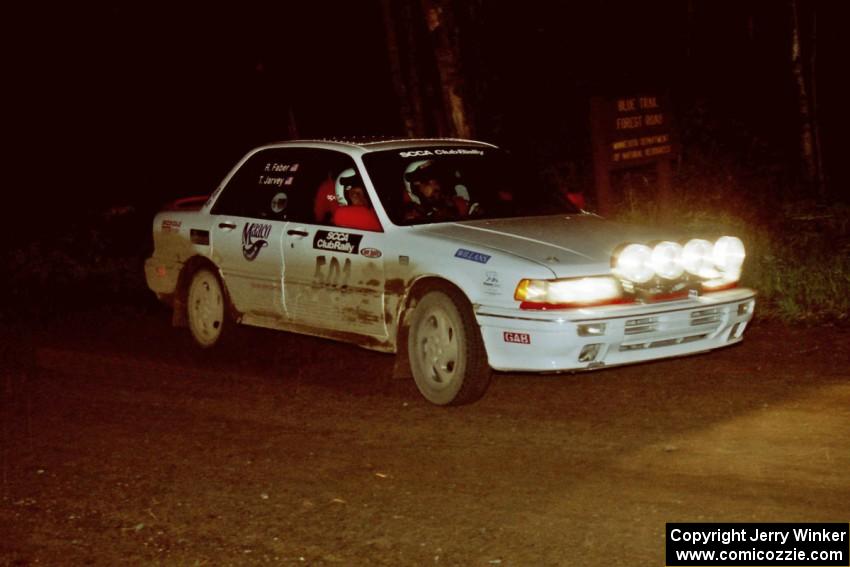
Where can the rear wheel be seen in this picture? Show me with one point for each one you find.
(206, 308)
(447, 356)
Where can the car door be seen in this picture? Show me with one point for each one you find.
(248, 228)
(333, 275)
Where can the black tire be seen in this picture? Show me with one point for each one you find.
(207, 308)
(446, 353)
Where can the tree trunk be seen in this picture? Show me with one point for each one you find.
(821, 175)
(399, 84)
(807, 149)
(414, 86)
(440, 21)
(291, 124)
(689, 40)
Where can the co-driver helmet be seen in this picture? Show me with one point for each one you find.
(347, 179)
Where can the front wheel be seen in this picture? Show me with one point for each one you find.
(447, 356)
(206, 308)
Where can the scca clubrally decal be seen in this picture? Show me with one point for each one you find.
(335, 241)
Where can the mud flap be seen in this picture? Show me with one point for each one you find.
(401, 365)
(178, 313)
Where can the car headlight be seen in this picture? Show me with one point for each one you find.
(633, 263)
(566, 293)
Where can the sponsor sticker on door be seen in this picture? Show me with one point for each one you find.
(336, 241)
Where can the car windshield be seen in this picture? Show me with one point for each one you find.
(429, 185)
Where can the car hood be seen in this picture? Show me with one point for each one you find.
(568, 245)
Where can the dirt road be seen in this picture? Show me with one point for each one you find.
(123, 445)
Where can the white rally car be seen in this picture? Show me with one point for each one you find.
(445, 253)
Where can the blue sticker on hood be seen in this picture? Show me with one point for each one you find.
(470, 255)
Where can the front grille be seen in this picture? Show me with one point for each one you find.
(663, 343)
(642, 325)
(705, 317)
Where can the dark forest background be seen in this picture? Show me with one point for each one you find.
(118, 107)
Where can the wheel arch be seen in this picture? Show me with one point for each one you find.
(414, 292)
(457, 387)
(190, 267)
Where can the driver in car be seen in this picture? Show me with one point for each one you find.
(426, 197)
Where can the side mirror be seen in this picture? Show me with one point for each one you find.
(577, 199)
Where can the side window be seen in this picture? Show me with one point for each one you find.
(328, 187)
(265, 186)
(313, 186)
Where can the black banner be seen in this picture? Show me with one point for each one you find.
(815, 544)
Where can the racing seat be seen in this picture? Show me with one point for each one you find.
(357, 216)
(325, 203)
(462, 206)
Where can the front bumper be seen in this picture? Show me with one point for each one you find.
(582, 339)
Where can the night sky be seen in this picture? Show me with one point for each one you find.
(139, 102)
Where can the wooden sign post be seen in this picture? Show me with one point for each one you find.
(631, 131)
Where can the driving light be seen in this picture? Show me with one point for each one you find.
(698, 258)
(566, 293)
(729, 255)
(591, 329)
(666, 260)
(633, 263)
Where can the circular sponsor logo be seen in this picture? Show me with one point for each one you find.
(279, 202)
(371, 252)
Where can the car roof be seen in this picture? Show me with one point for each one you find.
(376, 144)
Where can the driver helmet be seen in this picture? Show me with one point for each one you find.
(347, 179)
(419, 170)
